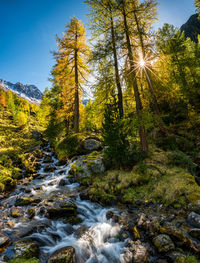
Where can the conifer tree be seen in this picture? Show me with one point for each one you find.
(71, 69)
(104, 28)
(126, 27)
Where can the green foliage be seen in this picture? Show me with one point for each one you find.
(178, 158)
(20, 118)
(14, 142)
(118, 152)
(70, 146)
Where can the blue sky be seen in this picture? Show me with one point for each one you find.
(28, 29)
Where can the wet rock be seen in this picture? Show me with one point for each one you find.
(194, 219)
(176, 257)
(31, 213)
(27, 249)
(84, 195)
(15, 212)
(75, 220)
(63, 182)
(53, 213)
(37, 135)
(23, 201)
(69, 229)
(163, 243)
(28, 229)
(91, 145)
(61, 163)
(49, 169)
(139, 251)
(4, 240)
(111, 215)
(63, 255)
(195, 232)
(48, 159)
(98, 166)
(80, 231)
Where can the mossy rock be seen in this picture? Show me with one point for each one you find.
(24, 201)
(24, 260)
(26, 249)
(7, 183)
(54, 213)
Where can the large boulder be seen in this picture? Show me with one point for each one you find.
(91, 145)
(87, 165)
(63, 255)
(163, 243)
(194, 219)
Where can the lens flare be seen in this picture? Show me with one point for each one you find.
(142, 63)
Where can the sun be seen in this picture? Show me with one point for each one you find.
(142, 63)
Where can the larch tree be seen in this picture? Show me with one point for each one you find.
(71, 70)
(123, 8)
(143, 15)
(104, 28)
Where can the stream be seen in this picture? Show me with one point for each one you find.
(96, 238)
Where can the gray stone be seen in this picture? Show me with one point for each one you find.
(91, 145)
(194, 219)
(98, 166)
(163, 243)
(4, 240)
(137, 251)
(63, 255)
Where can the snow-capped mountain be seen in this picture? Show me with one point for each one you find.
(28, 92)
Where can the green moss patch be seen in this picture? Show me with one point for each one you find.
(24, 260)
(156, 179)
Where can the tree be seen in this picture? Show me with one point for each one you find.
(123, 8)
(144, 15)
(71, 69)
(197, 5)
(104, 29)
(3, 101)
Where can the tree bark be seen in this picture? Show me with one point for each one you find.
(76, 98)
(117, 77)
(142, 131)
(151, 89)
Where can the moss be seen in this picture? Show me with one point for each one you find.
(180, 159)
(15, 214)
(24, 260)
(153, 179)
(70, 146)
(187, 259)
(7, 182)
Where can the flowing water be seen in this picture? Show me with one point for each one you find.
(99, 240)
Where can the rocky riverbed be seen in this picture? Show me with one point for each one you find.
(49, 218)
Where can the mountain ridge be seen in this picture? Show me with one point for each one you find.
(28, 92)
(192, 28)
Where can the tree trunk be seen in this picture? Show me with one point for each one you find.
(76, 98)
(142, 131)
(117, 77)
(151, 89)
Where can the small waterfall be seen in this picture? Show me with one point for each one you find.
(96, 239)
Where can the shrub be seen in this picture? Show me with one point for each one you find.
(180, 159)
(20, 118)
(118, 152)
